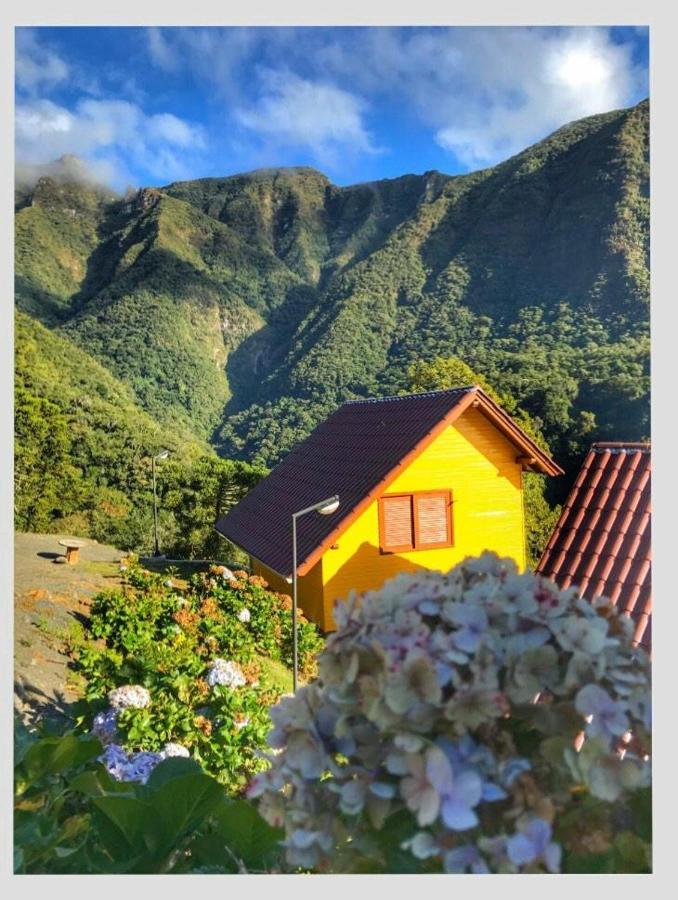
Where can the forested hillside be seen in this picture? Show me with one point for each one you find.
(83, 451)
(241, 310)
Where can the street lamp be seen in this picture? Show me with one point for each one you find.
(162, 455)
(325, 508)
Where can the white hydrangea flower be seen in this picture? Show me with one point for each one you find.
(244, 615)
(173, 750)
(129, 696)
(222, 671)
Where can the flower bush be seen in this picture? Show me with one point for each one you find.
(78, 811)
(440, 734)
(167, 666)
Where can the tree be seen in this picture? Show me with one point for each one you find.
(444, 373)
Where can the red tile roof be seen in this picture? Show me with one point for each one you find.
(354, 453)
(601, 543)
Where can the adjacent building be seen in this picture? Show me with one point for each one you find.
(601, 544)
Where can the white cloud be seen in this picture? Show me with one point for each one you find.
(68, 168)
(314, 115)
(115, 132)
(483, 93)
(36, 66)
(161, 53)
(489, 92)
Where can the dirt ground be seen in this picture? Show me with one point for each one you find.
(49, 599)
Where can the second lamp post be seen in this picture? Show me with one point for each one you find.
(162, 455)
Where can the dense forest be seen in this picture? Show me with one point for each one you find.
(223, 318)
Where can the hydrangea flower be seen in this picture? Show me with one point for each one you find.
(534, 842)
(471, 621)
(105, 725)
(222, 671)
(607, 717)
(172, 750)
(168, 583)
(124, 766)
(407, 717)
(422, 845)
(465, 859)
(129, 696)
(244, 615)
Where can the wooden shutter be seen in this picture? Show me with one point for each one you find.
(395, 523)
(432, 526)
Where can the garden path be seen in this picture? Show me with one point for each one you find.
(49, 600)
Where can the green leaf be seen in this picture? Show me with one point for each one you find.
(209, 850)
(247, 835)
(178, 806)
(640, 803)
(631, 854)
(589, 863)
(18, 860)
(121, 821)
(171, 768)
(553, 750)
(55, 755)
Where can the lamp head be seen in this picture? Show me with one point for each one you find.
(328, 508)
(163, 454)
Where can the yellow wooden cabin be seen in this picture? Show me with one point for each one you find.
(423, 481)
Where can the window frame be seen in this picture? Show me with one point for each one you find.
(414, 520)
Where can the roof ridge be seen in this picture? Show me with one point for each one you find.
(622, 446)
(462, 389)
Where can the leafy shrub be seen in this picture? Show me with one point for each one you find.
(441, 732)
(151, 636)
(71, 816)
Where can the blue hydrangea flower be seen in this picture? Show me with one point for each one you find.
(459, 799)
(105, 726)
(534, 842)
(608, 717)
(465, 859)
(510, 769)
(472, 623)
(466, 755)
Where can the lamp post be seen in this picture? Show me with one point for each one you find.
(325, 508)
(162, 455)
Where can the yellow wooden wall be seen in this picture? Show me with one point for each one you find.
(309, 589)
(477, 463)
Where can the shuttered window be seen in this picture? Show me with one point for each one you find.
(432, 520)
(397, 532)
(420, 521)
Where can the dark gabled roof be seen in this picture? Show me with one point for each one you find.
(355, 453)
(601, 543)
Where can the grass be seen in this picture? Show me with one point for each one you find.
(72, 634)
(277, 672)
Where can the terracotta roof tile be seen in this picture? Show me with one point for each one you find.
(352, 453)
(602, 543)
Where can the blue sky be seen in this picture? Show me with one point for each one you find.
(145, 106)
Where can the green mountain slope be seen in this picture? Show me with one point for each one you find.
(537, 268)
(246, 308)
(57, 229)
(82, 446)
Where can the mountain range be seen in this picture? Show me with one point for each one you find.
(241, 310)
